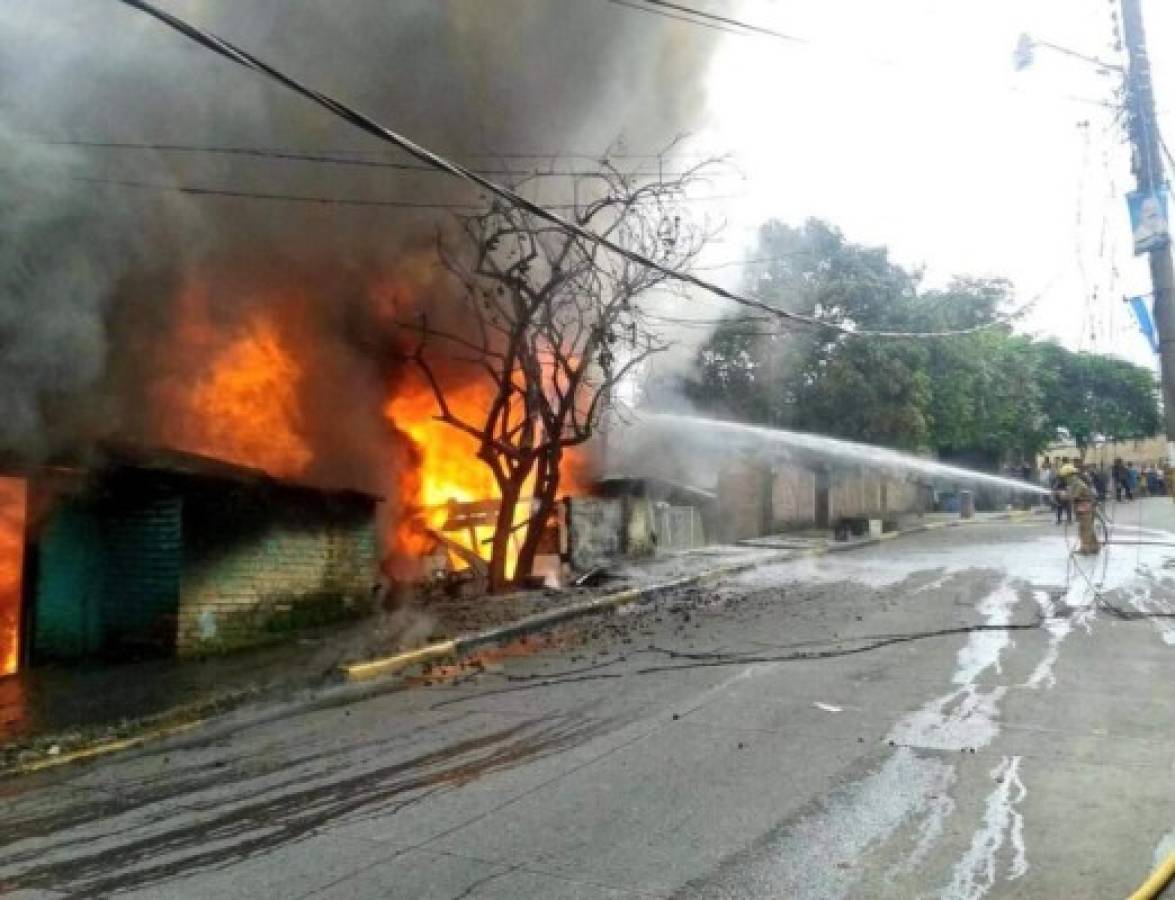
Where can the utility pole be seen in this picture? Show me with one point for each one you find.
(1148, 171)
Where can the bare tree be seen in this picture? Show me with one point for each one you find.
(556, 327)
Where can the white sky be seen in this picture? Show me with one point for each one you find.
(905, 123)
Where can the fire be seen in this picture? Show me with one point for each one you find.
(243, 406)
(450, 469)
(12, 521)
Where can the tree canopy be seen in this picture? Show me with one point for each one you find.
(987, 396)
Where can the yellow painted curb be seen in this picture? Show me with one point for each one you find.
(1158, 880)
(373, 668)
(50, 762)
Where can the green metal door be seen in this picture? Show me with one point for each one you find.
(67, 622)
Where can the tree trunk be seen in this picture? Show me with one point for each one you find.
(500, 547)
(546, 488)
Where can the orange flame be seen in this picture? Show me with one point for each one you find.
(244, 406)
(449, 467)
(451, 471)
(12, 522)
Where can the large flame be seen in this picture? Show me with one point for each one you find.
(12, 522)
(243, 406)
(239, 390)
(450, 469)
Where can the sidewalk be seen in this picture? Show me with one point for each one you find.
(55, 714)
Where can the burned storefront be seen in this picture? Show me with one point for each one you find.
(172, 554)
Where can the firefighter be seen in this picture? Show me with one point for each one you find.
(1082, 496)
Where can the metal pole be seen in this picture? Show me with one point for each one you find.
(1148, 171)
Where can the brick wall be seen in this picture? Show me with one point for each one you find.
(256, 567)
(141, 540)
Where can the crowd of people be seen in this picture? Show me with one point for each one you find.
(1125, 479)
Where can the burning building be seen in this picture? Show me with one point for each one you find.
(171, 277)
(166, 553)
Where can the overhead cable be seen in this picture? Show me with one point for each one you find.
(702, 17)
(241, 194)
(330, 158)
(372, 127)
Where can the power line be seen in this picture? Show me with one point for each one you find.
(744, 29)
(724, 23)
(703, 323)
(328, 158)
(201, 191)
(635, 5)
(734, 263)
(372, 127)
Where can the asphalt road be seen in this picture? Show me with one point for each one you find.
(822, 728)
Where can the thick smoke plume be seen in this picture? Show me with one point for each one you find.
(116, 292)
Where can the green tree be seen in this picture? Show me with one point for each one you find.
(750, 372)
(1092, 396)
(984, 397)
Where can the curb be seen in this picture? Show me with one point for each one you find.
(100, 749)
(456, 647)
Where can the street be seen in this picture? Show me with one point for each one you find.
(827, 727)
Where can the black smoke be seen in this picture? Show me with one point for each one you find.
(92, 264)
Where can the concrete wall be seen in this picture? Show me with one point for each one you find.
(599, 529)
(678, 527)
(744, 501)
(640, 527)
(255, 568)
(793, 498)
(904, 497)
(594, 530)
(754, 500)
(855, 495)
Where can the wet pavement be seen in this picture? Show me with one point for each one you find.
(65, 706)
(960, 714)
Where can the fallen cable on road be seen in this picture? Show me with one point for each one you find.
(702, 660)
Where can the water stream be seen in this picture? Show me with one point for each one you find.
(724, 437)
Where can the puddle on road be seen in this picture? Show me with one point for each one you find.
(862, 818)
(979, 869)
(817, 857)
(965, 719)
